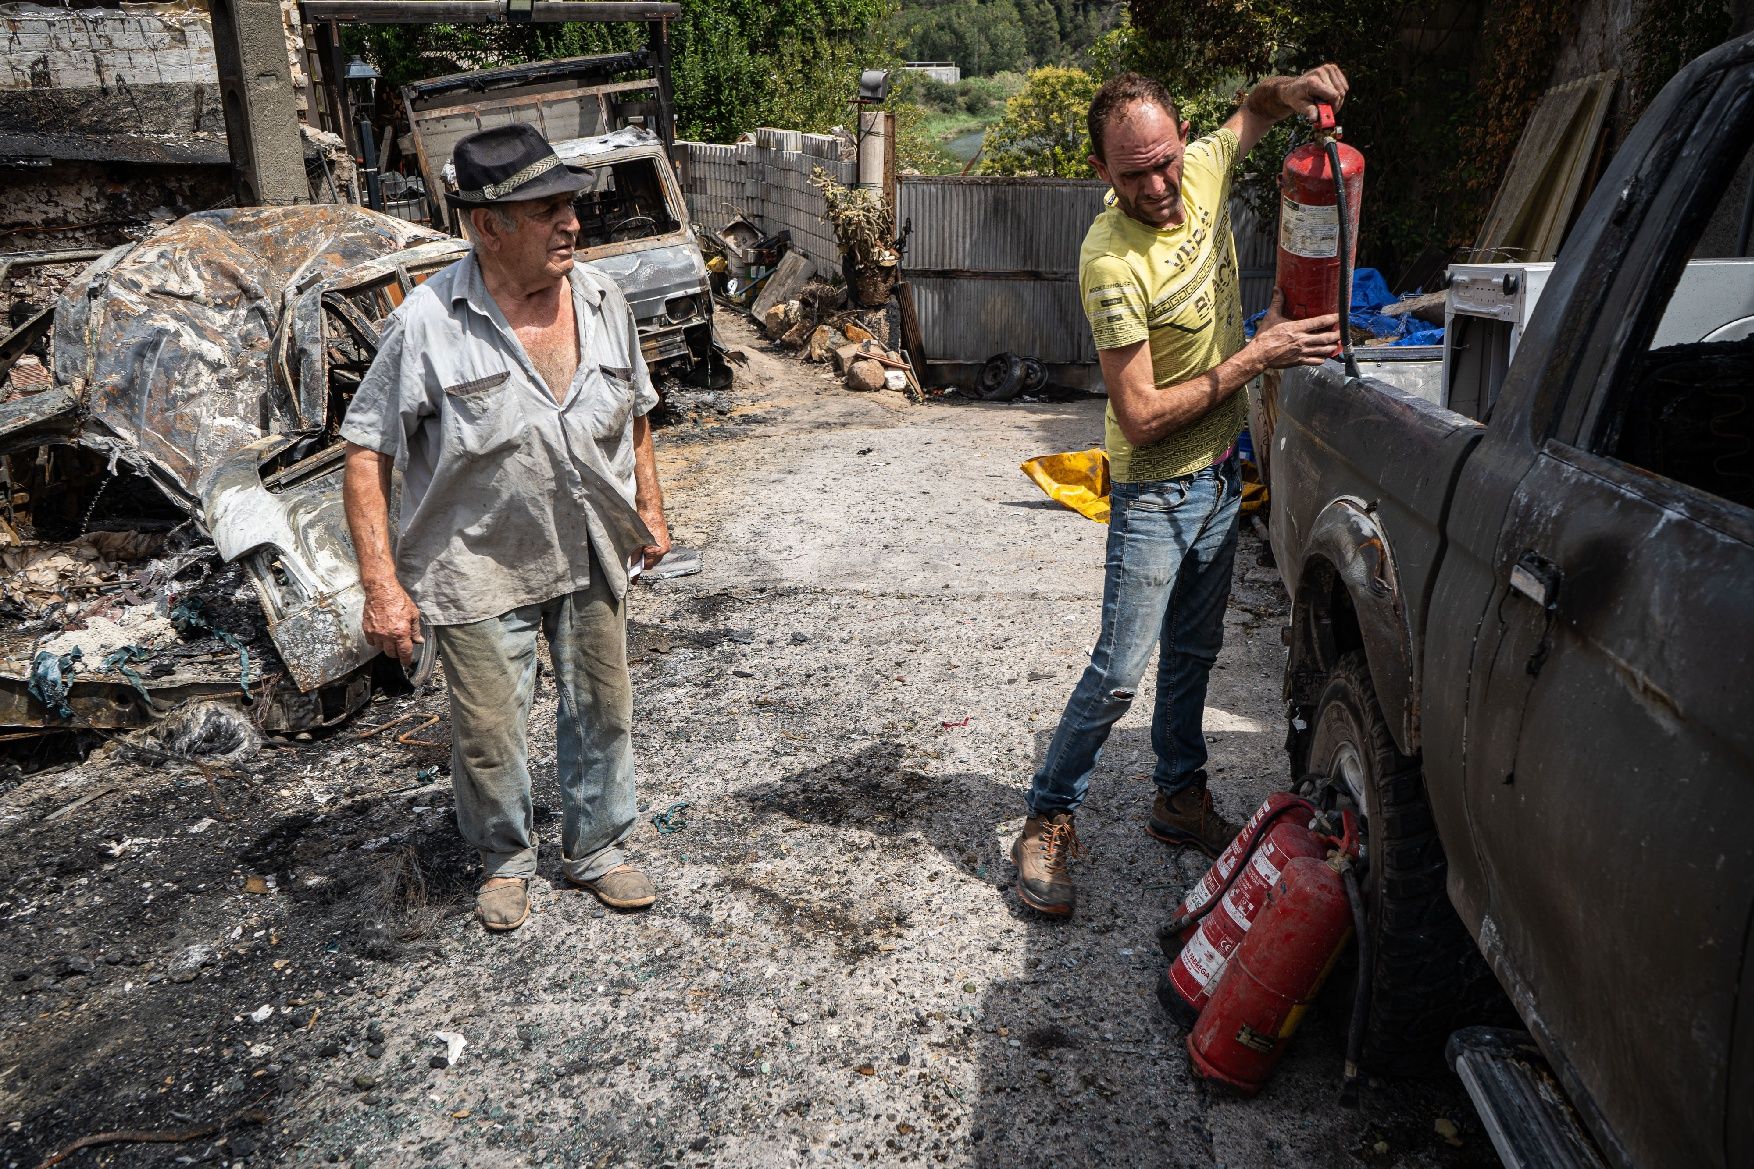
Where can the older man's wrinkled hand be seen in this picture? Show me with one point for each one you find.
(660, 545)
(391, 620)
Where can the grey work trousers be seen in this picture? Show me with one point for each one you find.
(490, 668)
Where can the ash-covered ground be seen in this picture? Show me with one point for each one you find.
(849, 701)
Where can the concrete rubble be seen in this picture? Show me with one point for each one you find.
(823, 328)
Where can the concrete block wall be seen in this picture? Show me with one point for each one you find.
(768, 181)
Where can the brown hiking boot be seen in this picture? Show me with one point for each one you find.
(1041, 854)
(1189, 820)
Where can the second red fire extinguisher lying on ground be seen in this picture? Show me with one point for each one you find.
(1253, 941)
(1274, 975)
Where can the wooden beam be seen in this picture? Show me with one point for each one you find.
(658, 45)
(328, 48)
(482, 11)
(489, 103)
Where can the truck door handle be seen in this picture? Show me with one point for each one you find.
(1537, 578)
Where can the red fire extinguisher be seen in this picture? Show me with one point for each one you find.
(1214, 916)
(1269, 982)
(1321, 187)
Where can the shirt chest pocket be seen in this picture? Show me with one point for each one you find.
(478, 418)
(614, 404)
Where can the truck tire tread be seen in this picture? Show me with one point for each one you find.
(1426, 970)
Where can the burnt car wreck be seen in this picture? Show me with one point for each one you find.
(173, 527)
(634, 224)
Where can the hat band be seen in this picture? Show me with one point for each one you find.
(501, 189)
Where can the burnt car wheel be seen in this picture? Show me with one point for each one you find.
(1427, 978)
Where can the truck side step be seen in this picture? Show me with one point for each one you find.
(1530, 1122)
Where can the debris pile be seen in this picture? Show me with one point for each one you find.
(857, 341)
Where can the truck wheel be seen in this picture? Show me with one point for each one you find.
(1427, 976)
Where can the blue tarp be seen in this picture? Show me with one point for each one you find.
(1369, 293)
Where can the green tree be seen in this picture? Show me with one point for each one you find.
(1410, 99)
(1041, 30)
(739, 64)
(735, 64)
(1042, 132)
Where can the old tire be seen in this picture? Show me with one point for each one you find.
(1427, 977)
(1001, 378)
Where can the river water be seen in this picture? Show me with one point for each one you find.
(965, 146)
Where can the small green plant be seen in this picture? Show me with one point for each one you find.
(863, 221)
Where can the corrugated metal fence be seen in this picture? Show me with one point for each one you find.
(1257, 256)
(769, 182)
(993, 261)
(994, 264)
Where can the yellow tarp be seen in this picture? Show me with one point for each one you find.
(1079, 479)
(1254, 493)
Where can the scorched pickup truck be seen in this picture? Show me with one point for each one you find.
(1522, 644)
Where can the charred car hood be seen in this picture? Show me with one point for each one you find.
(168, 343)
(650, 276)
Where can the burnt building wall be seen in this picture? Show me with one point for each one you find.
(111, 123)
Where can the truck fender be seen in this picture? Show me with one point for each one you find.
(1349, 597)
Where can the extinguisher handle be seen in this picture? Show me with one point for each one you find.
(1324, 117)
(1349, 834)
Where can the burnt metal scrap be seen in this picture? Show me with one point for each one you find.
(173, 344)
(172, 526)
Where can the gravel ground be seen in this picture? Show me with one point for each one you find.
(849, 701)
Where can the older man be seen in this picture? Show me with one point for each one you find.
(1157, 274)
(510, 392)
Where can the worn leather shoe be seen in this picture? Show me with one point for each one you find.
(1048, 844)
(622, 887)
(1189, 820)
(504, 907)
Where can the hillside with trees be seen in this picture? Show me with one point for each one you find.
(986, 37)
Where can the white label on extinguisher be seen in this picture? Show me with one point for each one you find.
(1209, 885)
(1262, 864)
(1202, 959)
(1309, 229)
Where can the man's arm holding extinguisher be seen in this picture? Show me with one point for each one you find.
(1274, 99)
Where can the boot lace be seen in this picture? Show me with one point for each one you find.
(1059, 846)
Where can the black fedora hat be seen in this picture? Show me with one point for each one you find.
(508, 164)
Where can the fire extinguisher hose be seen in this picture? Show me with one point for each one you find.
(1345, 300)
(1360, 994)
(1180, 923)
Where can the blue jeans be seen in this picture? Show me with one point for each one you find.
(1170, 549)
(490, 670)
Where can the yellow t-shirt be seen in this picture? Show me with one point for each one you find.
(1178, 288)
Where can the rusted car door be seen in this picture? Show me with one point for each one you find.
(1609, 753)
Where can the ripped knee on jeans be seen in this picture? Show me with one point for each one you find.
(1121, 695)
